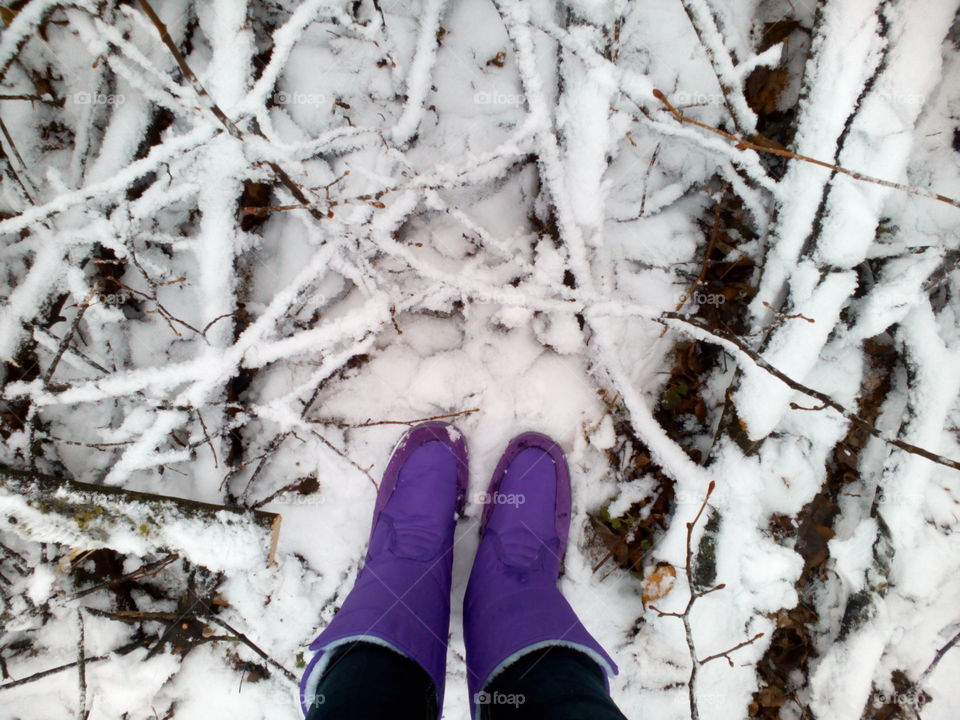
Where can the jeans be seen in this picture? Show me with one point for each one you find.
(364, 681)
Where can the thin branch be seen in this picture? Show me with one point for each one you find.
(23, 186)
(17, 561)
(728, 337)
(938, 657)
(722, 65)
(70, 333)
(147, 570)
(684, 616)
(714, 236)
(161, 310)
(230, 126)
(206, 437)
(274, 445)
(294, 485)
(96, 446)
(82, 710)
(60, 668)
(215, 321)
(726, 653)
(253, 646)
(703, 593)
(743, 144)
(795, 316)
(33, 98)
(345, 457)
(374, 423)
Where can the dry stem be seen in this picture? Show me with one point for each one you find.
(743, 144)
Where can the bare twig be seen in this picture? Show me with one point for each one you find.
(252, 645)
(714, 235)
(26, 193)
(743, 144)
(161, 310)
(18, 561)
(60, 668)
(345, 457)
(70, 352)
(274, 445)
(728, 337)
(374, 423)
(96, 446)
(726, 653)
(295, 485)
(795, 316)
(215, 321)
(206, 437)
(646, 174)
(82, 710)
(684, 616)
(52, 671)
(938, 657)
(33, 98)
(722, 65)
(147, 570)
(230, 126)
(69, 334)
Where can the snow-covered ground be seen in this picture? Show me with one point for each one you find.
(239, 257)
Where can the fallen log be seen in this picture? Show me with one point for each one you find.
(46, 508)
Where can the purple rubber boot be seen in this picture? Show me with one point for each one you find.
(401, 598)
(512, 605)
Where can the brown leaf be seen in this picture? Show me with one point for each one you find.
(659, 583)
(498, 59)
(764, 87)
(10, 11)
(776, 32)
(700, 409)
(771, 696)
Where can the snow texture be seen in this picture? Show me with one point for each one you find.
(348, 216)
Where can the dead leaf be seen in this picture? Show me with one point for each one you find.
(498, 59)
(764, 87)
(9, 12)
(659, 583)
(777, 32)
(771, 696)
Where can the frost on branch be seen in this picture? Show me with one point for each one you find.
(245, 244)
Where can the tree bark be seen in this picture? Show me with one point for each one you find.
(46, 508)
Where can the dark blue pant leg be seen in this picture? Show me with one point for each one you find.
(555, 683)
(364, 681)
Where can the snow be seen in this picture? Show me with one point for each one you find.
(500, 213)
